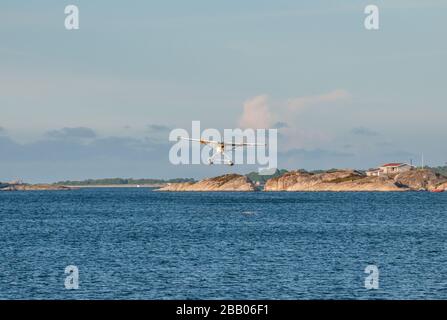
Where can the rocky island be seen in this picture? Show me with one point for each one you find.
(31, 187)
(333, 180)
(340, 180)
(227, 182)
(352, 180)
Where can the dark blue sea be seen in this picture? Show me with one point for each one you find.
(141, 244)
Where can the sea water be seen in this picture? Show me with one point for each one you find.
(140, 244)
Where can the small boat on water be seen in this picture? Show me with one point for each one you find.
(437, 190)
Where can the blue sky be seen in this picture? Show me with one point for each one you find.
(99, 101)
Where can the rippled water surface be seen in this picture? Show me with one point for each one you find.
(140, 244)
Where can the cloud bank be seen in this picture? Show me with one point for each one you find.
(306, 101)
(72, 133)
(362, 131)
(256, 113)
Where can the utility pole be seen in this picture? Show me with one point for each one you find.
(422, 160)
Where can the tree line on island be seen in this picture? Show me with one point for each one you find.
(253, 176)
(122, 181)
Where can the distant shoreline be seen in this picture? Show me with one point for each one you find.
(48, 187)
(115, 186)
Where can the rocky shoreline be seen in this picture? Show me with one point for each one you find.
(228, 182)
(336, 180)
(32, 187)
(346, 180)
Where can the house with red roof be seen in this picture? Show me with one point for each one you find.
(390, 169)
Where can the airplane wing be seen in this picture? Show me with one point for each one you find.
(202, 141)
(246, 144)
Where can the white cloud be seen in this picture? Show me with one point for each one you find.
(256, 113)
(72, 133)
(302, 102)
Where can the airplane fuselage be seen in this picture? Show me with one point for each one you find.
(220, 147)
